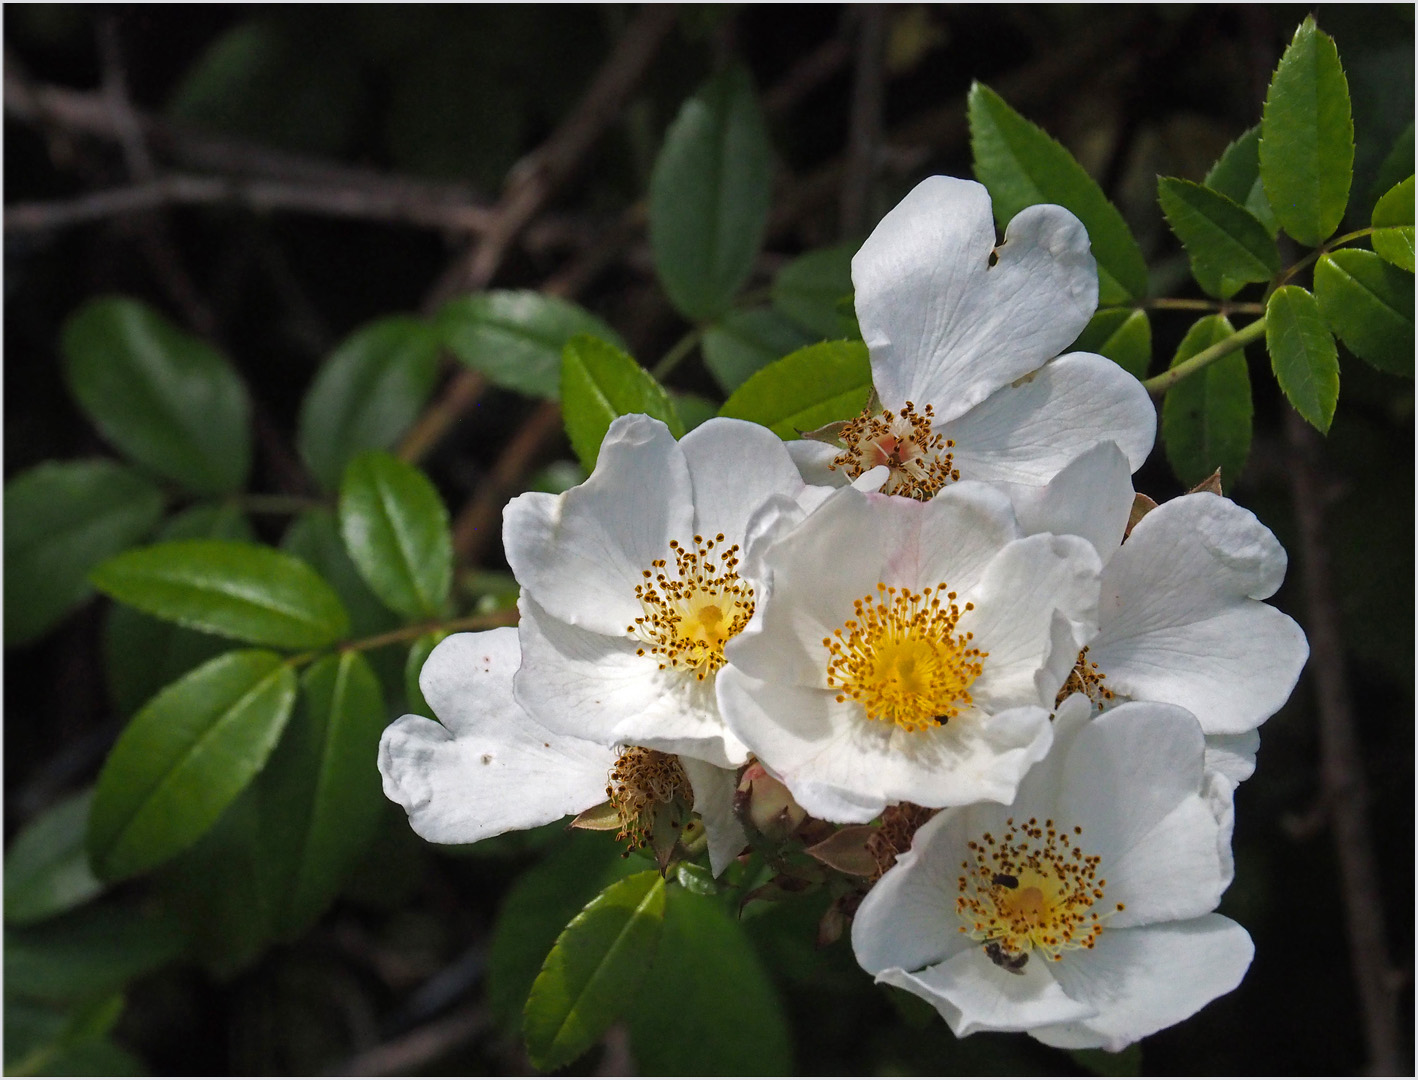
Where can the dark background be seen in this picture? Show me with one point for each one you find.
(449, 99)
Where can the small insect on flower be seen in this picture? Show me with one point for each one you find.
(1011, 962)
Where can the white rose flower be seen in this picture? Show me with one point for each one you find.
(632, 586)
(1181, 618)
(964, 340)
(1083, 913)
(906, 650)
(490, 768)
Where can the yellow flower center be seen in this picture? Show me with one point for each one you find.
(690, 616)
(1086, 678)
(900, 657)
(919, 459)
(1033, 888)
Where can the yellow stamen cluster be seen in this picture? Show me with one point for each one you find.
(919, 458)
(642, 782)
(901, 658)
(689, 617)
(1033, 888)
(1086, 678)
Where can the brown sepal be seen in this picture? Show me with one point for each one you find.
(846, 851)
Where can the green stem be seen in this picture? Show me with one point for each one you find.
(1223, 306)
(417, 630)
(1160, 384)
(1338, 241)
(678, 351)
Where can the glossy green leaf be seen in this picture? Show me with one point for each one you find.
(1393, 225)
(600, 382)
(47, 867)
(743, 342)
(709, 196)
(593, 971)
(166, 399)
(816, 385)
(537, 908)
(321, 794)
(47, 1040)
(1228, 247)
(703, 950)
(244, 591)
(226, 888)
(314, 538)
(88, 953)
(143, 654)
(808, 289)
(515, 338)
(185, 757)
(1206, 418)
(1307, 138)
(62, 520)
(1123, 335)
(366, 394)
(1369, 304)
(1021, 165)
(395, 528)
(1302, 354)
(418, 654)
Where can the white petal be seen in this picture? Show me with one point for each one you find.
(843, 766)
(812, 457)
(581, 554)
(1132, 779)
(734, 467)
(1233, 756)
(946, 328)
(1092, 498)
(714, 800)
(1023, 587)
(596, 687)
(492, 768)
(1144, 979)
(973, 994)
(1026, 434)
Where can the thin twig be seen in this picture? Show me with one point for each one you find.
(1344, 791)
(419, 1047)
(535, 178)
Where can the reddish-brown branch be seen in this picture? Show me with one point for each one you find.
(1344, 793)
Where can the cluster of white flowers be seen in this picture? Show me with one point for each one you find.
(934, 613)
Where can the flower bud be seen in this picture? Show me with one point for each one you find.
(769, 805)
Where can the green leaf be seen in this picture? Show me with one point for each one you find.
(367, 394)
(418, 654)
(314, 537)
(743, 342)
(47, 867)
(1206, 418)
(710, 193)
(1123, 335)
(395, 528)
(244, 591)
(143, 654)
(593, 971)
(1227, 245)
(1393, 225)
(806, 389)
(321, 795)
(516, 338)
(88, 953)
(185, 757)
(1369, 304)
(1022, 166)
(44, 1040)
(1307, 138)
(1238, 167)
(1397, 163)
(808, 289)
(717, 1031)
(693, 409)
(599, 383)
(62, 520)
(1302, 354)
(166, 399)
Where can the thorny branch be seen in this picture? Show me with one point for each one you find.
(1344, 793)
